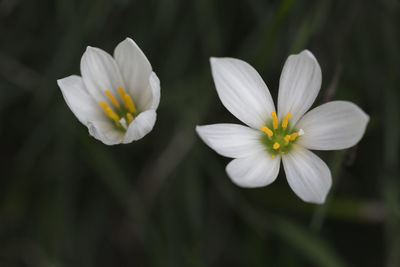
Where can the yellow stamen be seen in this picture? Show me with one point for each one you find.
(129, 103)
(110, 113)
(274, 120)
(130, 117)
(127, 100)
(121, 92)
(273, 156)
(293, 136)
(282, 153)
(266, 130)
(276, 145)
(287, 138)
(112, 99)
(286, 120)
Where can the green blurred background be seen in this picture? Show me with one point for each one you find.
(68, 200)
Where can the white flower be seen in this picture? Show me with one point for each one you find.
(258, 149)
(116, 97)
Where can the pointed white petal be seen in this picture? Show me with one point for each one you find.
(140, 126)
(307, 174)
(299, 85)
(100, 73)
(231, 140)
(78, 100)
(256, 170)
(242, 91)
(334, 125)
(136, 71)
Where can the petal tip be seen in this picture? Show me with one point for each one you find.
(308, 53)
(316, 199)
(318, 202)
(216, 60)
(213, 60)
(199, 130)
(67, 80)
(129, 40)
(321, 200)
(364, 116)
(367, 118)
(90, 50)
(59, 81)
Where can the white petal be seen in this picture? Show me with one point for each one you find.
(155, 89)
(231, 140)
(334, 125)
(105, 132)
(242, 91)
(256, 170)
(88, 111)
(299, 85)
(140, 126)
(100, 73)
(78, 100)
(136, 71)
(307, 174)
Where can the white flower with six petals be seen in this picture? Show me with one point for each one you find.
(258, 149)
(116, 98)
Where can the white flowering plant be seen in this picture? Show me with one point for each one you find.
(116, 98)
(287, 135)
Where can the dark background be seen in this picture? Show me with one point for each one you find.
(68, 200)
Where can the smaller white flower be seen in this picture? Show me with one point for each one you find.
(258, 149)
(116, 97)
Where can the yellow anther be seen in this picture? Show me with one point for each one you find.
(130, 117)
(286, 120)
(274, 120)
(110, 113)
(121, 92)
(293, 136)
(127, 100)
(287, 138)
(276, 145)
(129, 103)
(266, 130)
(273, 156)
(112, 99)
(283, 153)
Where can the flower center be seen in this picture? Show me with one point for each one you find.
(279, 138)
(121, 115)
